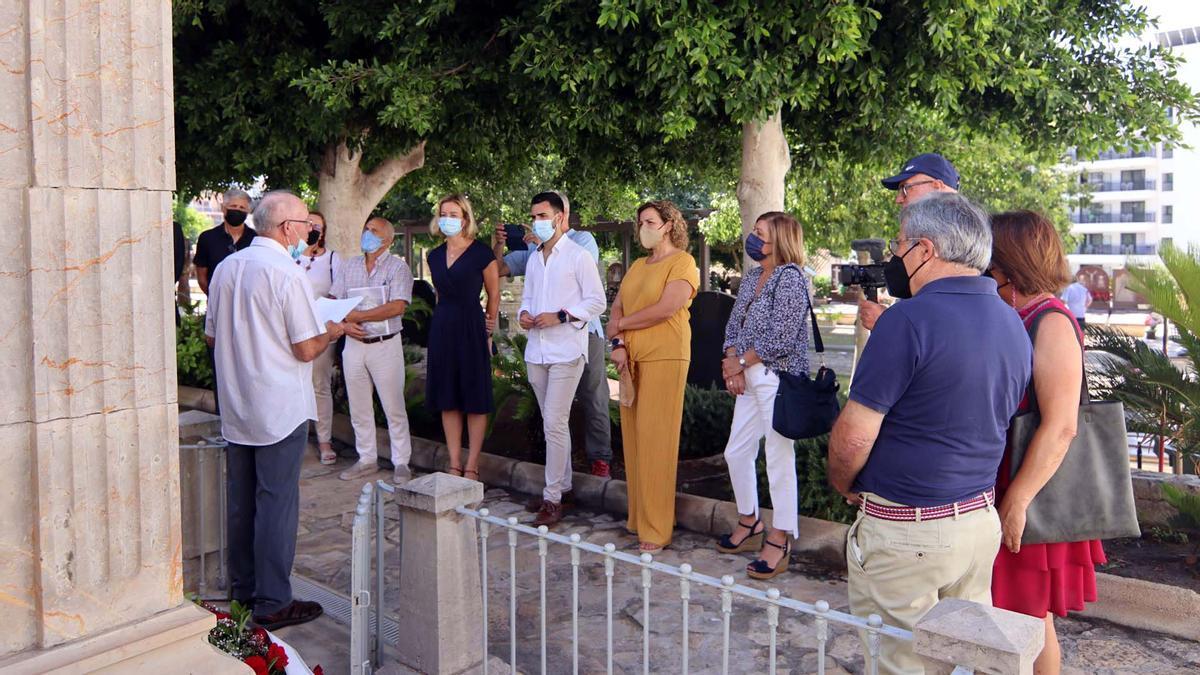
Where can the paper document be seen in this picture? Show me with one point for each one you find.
(335, 310)
(371, 297)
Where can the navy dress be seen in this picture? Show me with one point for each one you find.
(459, 370)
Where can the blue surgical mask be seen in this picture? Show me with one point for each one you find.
(449, 226)
(543, 230)
(296, 250)
(370, 242)
(754, 248)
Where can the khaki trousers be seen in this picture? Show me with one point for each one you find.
(377, 367)
(322, 372)
(554, 386)
(901, 570)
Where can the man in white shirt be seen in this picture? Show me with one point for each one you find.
(562, 294)
(1078, 298)
(373, 359)
(265, 331)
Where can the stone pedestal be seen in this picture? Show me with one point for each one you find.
(989, 640)
(88, 429)
(439, 576)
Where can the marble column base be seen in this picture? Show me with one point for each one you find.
(174, 641)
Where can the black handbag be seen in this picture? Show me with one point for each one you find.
(1090, 496)
(805, 407)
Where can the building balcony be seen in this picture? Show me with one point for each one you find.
(1112, 154)
(1118, 186)
(1117, 249)
(1144, 217)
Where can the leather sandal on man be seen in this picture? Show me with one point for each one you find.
(298, 612)
(535, 503)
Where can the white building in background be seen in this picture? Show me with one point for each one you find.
(1141, 200)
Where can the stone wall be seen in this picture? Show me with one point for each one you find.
(1153, 510)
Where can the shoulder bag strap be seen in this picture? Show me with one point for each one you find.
(1084, 398)
(818, 343)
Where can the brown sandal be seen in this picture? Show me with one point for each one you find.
(455, 471)
(469, 471)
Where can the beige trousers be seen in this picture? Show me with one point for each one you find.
(322, 371)
(379, 368)
(901, 570)
(554, 384)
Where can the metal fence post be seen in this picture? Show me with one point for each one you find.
(360, 574)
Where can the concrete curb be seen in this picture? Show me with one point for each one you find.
(1128, 602)
(1144, 604)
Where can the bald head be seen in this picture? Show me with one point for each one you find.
(277, 207)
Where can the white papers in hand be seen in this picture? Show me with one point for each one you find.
(329, 309)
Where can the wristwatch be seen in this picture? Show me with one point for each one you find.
(562, 316)
(742, 361)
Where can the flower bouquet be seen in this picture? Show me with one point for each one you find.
(252, 645)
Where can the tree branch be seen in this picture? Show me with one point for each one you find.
(381, 179)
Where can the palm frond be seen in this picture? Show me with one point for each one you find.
(1173, 289)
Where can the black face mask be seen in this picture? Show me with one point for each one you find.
(313, 237)
(988, 273)
(235, 218)
(897, 277)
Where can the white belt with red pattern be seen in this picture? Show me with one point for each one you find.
(917, 514)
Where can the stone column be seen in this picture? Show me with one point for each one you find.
(989, 640)
(90, 574)
(442, 605)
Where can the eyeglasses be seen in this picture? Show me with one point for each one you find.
(894, 244)
(310, 223)
(908, 186)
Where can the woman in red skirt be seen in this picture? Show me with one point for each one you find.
(1040, 580)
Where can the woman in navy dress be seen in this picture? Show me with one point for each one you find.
(458, 378)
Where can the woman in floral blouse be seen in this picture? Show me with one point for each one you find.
(766, 334)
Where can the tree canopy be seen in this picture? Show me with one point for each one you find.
(613, 99)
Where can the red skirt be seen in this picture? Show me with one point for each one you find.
(1043, 578)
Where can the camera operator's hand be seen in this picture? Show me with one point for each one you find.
(868, 313)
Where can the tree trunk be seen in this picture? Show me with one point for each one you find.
(348, 195)
(765, 163)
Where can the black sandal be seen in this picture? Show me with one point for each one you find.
(750, 542)
(759, 569)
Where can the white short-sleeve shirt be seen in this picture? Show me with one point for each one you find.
(259, 305)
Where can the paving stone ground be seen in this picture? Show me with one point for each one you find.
(323, 554)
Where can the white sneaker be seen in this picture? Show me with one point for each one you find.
(402, 475)
(359, 470)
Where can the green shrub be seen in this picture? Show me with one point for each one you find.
(191, 353)
(822, 286)
(816, 498)
(707, 417)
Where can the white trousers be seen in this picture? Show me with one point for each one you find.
(554, 384)
(380, 367)
(752, 414)
(322, 371)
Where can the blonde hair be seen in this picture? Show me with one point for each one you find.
(470, 229)
(670, 214)
(787, 237)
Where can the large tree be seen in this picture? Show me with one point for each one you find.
(840, 79)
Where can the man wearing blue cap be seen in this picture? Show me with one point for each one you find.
(919, 177)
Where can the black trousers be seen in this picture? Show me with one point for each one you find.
(263, 494)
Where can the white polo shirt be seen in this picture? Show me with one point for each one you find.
(567, 281)
(259, 305)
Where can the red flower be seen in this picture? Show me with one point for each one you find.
(261, 635)
(318, 671)
(277, 657)
(222, 615)
(258, 663)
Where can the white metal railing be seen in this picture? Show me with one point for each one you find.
(210, 449)
(772, 599)
(368, 617)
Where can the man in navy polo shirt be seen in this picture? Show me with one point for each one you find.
(919, 443)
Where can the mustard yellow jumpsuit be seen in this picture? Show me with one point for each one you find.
(659, 356)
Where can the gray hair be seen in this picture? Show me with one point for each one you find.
(235, 193)
(958, 229)
(267, 215)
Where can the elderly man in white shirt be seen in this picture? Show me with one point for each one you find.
(265, 330)
(374, 355)
(562, 293)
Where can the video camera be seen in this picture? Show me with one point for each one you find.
(867, 277)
